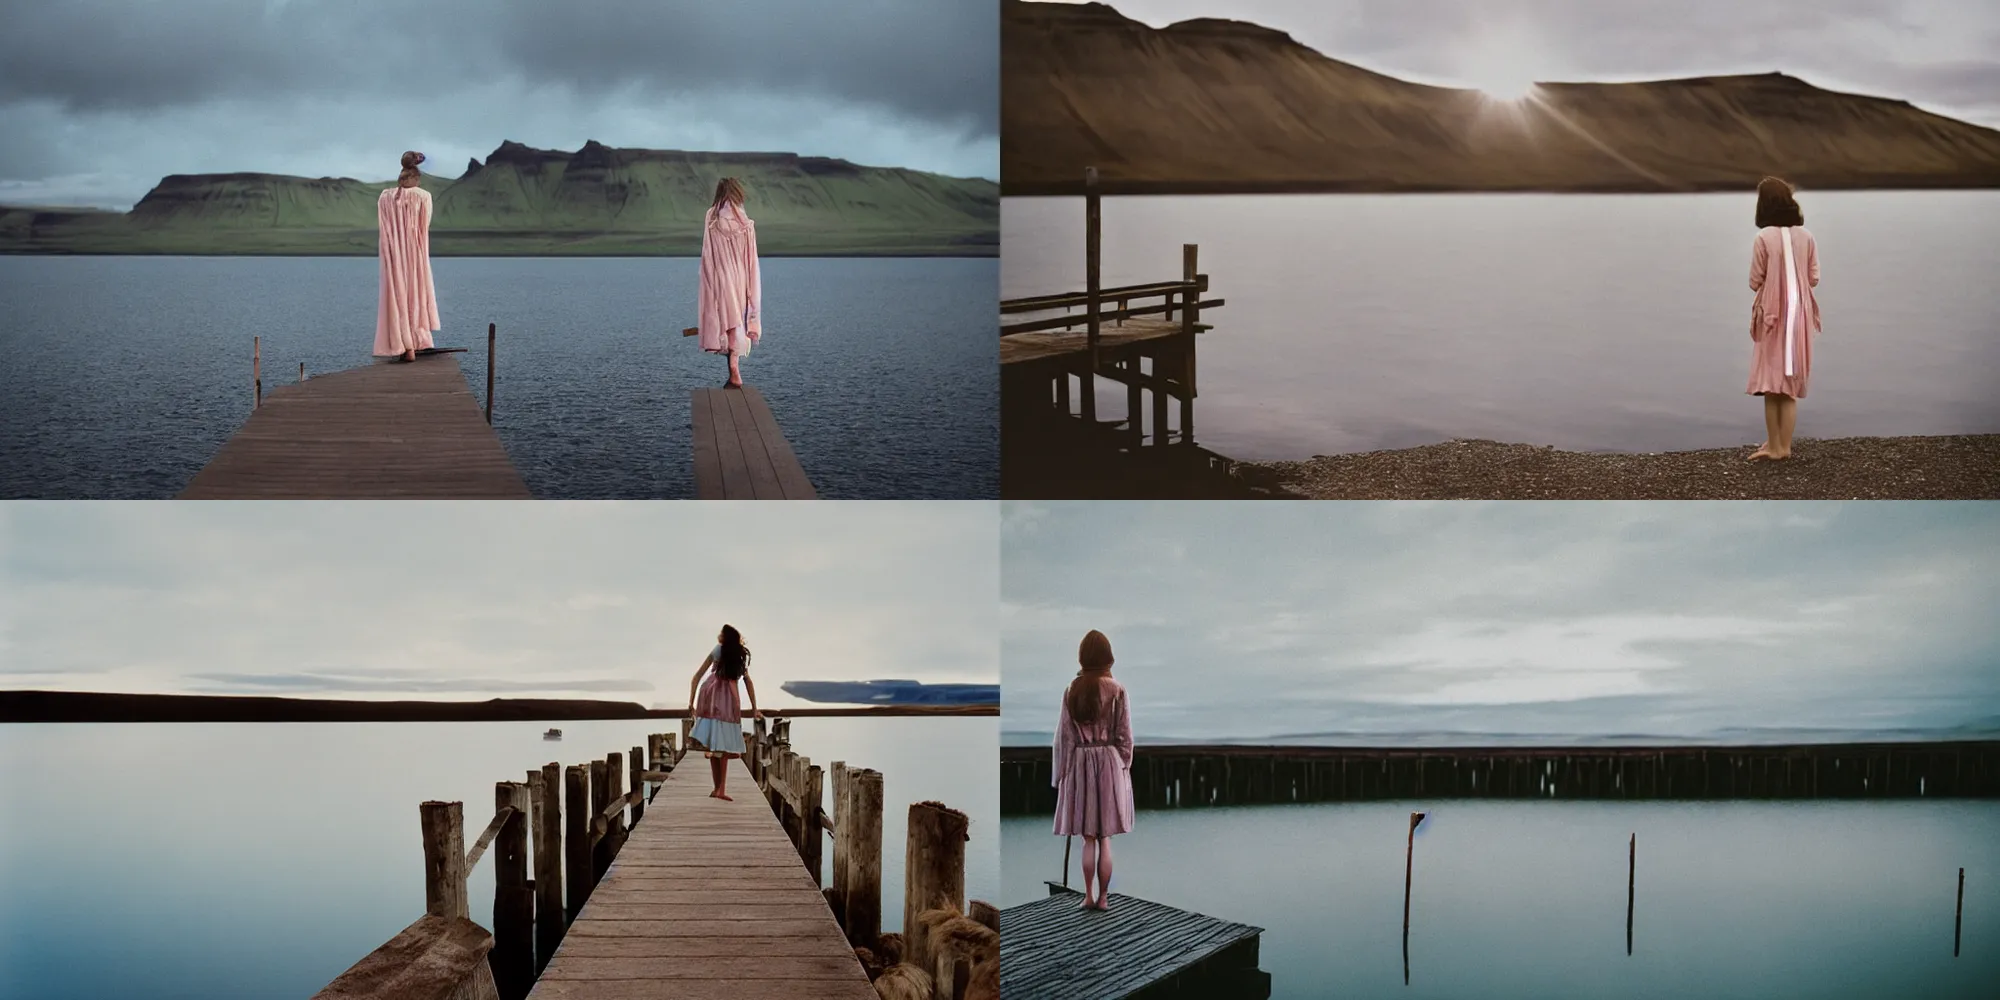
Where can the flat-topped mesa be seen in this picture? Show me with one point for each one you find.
(242, 191)
(1222, 27)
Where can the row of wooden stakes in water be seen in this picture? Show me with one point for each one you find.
(949, 947)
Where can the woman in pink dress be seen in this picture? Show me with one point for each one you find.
(1093, 765)
(717, 712)
(730, 300)
(1784, 317)
(407, 312)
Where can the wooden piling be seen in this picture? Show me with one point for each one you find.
(549, 916)
(257, 372)
(513, 954)
(614, 833)
(933, 872)
(600, 786)
(1093, 231)
(1409, 859)
(863, 919)
(444, 859)
(839, 813)
(812, 842)
(489, 372)
(1958, 914)
(302, 371)
(638, 766)
(576, 837)
(1631, 870)
(1190, 323)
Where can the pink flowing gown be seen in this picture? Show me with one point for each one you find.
(407, 312)
(730, 301)
(1093, 769)
(1785, 315)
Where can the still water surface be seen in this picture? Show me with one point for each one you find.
(259, 861)
(123, 375)
(1586, 322)
(1752, 900)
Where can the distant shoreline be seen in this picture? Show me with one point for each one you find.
(82, 706)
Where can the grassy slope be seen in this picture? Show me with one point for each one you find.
(1212, 105)
(597, 201)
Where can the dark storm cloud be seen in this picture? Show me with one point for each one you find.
(99, 98)
(1943, 55)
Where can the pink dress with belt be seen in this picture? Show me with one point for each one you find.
(406, 311)
(1785, 315)
(1093, 769)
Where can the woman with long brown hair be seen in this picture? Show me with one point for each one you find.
(729, 304)
(1093, 765)
(406, 311)
(1784, 317)
(715, 707)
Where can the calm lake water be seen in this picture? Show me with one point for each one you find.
(125, 374)
(260, 861)
(1527, 900)
(1586, 322)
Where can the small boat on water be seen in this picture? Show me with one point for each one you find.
(553, 734)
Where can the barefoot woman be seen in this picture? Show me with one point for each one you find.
(406, 311)
(729, 304)
(718, 714)
(1093, 765)
(1784, 270)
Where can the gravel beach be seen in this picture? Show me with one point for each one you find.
(1955, 467)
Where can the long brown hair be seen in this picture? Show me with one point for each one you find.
(1085, 699)
(410, 174)
(728, 189)
(1775, 204)
(735, 659)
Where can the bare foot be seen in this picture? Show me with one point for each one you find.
(410, 355)
(1763, 454)
(1088, 904)
(1104, 904)
(719, 795)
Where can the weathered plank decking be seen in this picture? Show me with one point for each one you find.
(1052, 948)
(739, 452)
(708, 900)
(1042, 345)
(384, 430)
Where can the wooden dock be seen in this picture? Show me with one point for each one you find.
(739, 452)
(1170, 776)
(385, 430)
(1138, 950)
(712, 904)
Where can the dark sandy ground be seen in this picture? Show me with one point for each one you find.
(1956, 467)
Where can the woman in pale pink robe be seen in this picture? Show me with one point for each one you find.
(730, 301)
(1093, 765)
(407, 312)
(1784, 318)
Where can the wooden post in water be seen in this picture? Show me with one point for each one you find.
(933, 873)
(489, 372)
(638, 766)
(1631, 869)
(864, 844)
(513, 954)
(841, 816)
(256, 372)
(812, 842)
(549, 919)
(1958, 914)
(1190, 316)
(614, 833)
(1093, 229)
(302, 371)
(576, 837)
(1409, 860)
(444, 859)
(599, 787)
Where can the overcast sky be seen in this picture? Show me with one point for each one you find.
(101, 98)
(1569, 620)
(1941, 55)
(479, 600)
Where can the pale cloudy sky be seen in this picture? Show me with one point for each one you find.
(1557, 620)
(477, 600)
(1941, 55)
(101, 98)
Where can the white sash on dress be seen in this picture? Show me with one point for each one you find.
(1791, 295)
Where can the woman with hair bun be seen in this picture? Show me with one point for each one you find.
(407, 312)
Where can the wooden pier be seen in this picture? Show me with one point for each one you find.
(636, 883)
(739, 452)
(1188, 776)
(385, 430)
(1138, 950)
(1143, 337)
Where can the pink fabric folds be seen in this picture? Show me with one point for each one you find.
(730, 302)
(717, 699)
(407, 311)
(1781, 331)
(1093, 770)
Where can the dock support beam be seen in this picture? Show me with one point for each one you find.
(576, 833)
(549, 918)
(489, 372)
(933, 873)
(444, 859)
(513, 954)
(1093, 230)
